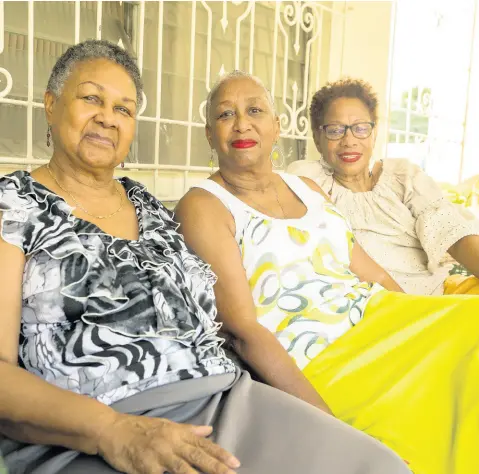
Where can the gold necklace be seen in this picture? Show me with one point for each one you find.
(79, 205)
(234, 187)
(332, 184)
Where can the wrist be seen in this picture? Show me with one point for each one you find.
(103, 429)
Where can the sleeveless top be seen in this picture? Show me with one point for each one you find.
(104, 316)
(298, 270)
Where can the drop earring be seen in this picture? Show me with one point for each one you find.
(276, 157)
(213, 157)
(49, 129)
(372, 162)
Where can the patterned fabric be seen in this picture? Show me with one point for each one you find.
(298, 271)
(105, 316)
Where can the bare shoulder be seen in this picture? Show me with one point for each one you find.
(314, 187)
(193, 199)
(198, 201)
(199, 208)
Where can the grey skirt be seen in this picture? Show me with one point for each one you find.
(269, 431)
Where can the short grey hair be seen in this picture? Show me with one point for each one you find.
(236, 74)
(90, 50)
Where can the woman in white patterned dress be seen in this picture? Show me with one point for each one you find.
(307, 308)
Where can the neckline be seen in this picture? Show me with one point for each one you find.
(252, 210)
(344, 190)
(71, 217)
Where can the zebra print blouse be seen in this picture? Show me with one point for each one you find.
(104, 316)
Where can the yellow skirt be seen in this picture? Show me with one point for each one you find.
(408, 375)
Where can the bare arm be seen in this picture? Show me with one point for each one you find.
(466, 252)
(361, 263)
(12, 262)
(368, 270)
(25, 407)
(26, 412)
(208, 228)
(34, 411)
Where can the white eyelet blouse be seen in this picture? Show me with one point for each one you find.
(405, 222)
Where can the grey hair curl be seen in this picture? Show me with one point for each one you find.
(236, 74)
(90, 50)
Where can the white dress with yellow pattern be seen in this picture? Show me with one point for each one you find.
(298, 270)
(408, 375)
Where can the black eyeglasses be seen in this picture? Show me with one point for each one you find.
(336, 131)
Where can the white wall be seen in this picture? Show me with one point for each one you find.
(470, 163)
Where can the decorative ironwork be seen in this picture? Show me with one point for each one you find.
(291, 41)
(7, 83)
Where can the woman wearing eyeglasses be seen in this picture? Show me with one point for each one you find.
(301, 304)
(398, 214)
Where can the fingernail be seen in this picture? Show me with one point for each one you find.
(233, 462)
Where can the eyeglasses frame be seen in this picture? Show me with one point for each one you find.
(346, 128)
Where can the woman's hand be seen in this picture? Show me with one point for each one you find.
(143, 445)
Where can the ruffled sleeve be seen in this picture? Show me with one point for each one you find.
(18, 207)
(439, 223)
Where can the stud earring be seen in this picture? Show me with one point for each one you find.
(122, 165)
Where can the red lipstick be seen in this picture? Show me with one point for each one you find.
(243, 143)
(350, 157)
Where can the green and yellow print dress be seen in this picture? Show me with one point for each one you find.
(402, 368)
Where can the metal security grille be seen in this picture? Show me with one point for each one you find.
(181, 49)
